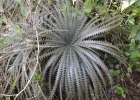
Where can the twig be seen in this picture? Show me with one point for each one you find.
(6, 95)
(36, 62)
(133, 83)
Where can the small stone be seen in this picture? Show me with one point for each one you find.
(135, 98)
(131, 92)
(115, 99)
(104, 99)
(138, 84)
(117, 66)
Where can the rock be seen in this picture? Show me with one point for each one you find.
(131, 92)
(135, 98)
(114, 99)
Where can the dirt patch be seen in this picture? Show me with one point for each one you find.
(133, 86)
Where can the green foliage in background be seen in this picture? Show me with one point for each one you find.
(132, 20)
(120, 90)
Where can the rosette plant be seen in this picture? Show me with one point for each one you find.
(69, 45)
